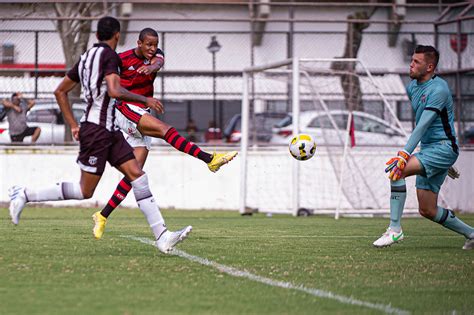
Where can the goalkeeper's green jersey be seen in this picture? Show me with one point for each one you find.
(434, 96)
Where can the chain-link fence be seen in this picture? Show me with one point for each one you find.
(32, 61)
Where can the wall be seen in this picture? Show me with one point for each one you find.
(179, 181)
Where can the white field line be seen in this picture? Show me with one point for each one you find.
(275, 283)
(329, 236)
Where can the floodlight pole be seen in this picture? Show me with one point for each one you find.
(213, 48)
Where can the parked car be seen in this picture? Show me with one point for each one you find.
(260, 125)
(4, 133)
(47, 116)
(469, 136)
(369, 129)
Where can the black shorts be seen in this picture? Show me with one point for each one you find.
(97, 145)
(29, 131)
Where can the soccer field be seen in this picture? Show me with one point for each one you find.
(50, 264)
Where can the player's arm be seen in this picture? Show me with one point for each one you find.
(430, 113)
(426, 119)
(115, 90)
(61, 94)
(156, 63)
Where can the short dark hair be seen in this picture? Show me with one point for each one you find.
(431, 54)
(107, 27)
(147, 31)
(14, 95)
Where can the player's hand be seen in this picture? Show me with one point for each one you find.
(453, 172)
(146, 70)
(75, 132)
(397, 164)
(155, 104)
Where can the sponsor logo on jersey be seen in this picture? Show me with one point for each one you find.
(423, 98)
(131, 68)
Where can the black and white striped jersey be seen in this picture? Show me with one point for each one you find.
(90, 71)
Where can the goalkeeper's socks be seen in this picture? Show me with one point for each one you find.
(180, 143)
(447, 219)
(398, 196)
(118, 196)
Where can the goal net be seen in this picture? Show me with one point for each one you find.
(350, 113)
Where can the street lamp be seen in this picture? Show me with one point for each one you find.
(213, 48)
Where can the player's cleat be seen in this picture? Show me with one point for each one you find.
(388, 238)
(469, 244)
(17, 202)
(99, 225)
(219, 159)
(168, 240)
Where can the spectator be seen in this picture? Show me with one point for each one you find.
(191, 130)
(17, 109)
(213, 133)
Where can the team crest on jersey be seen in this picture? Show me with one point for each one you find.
(130, 131)
(423, 98)
(92, 160)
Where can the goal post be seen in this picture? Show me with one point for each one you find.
(329, 99)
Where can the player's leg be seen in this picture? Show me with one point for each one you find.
(165, 240)
(141, 145)
(93, 153)
(124, 186)
(120, 193)
(19, 196)
(436, 160)
(153, 127)
(428, 207)
(398, 193)
(122, 158)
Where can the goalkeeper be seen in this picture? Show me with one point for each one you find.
(433, 105)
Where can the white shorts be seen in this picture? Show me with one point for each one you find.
(130, 129)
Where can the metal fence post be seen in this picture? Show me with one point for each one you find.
(36, 63)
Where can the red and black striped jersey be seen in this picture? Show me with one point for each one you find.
(132, 80)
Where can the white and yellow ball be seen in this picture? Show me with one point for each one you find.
(302, 147)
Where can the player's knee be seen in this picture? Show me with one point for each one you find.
(87, 193)
(163, 129)
(134, 174)
(427, 212)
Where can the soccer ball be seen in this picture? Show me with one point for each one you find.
(302, 147)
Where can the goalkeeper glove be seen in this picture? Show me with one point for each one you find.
(453, 172)
(397, 164)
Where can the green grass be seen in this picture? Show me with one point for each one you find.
(50, 264)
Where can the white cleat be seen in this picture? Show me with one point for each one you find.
(17, 202)
(388, 238)
(469, 243)
(168, 240)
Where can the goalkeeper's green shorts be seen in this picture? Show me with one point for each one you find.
(436, 159)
